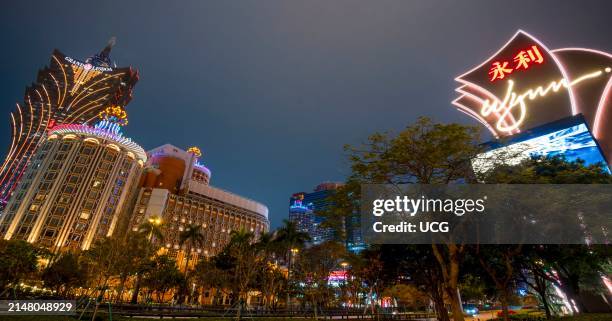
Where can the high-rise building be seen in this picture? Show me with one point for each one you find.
(305, 211)
(78, 187)
(175, 189)
(68, 91)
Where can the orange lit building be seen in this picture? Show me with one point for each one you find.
(175, 187)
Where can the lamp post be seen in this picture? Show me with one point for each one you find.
(154, 220)
(293, 252)
(344, 282)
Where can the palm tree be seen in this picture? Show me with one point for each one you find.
(291, 240)
(192, 236)
(244, 251)
(151, 228)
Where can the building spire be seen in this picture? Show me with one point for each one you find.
(102, 59)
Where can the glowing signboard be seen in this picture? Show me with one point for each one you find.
(525, 85)
(569, 138)
(523, 60)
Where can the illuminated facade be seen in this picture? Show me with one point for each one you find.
(68, 91)
(525, 86)
(78, 187)
(305, 209)
(175, 187)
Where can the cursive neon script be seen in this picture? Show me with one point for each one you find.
(515, 104)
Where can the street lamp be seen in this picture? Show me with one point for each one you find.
(154, 220)
(344, 281)
(293, 252)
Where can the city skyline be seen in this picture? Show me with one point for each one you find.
(271, 100)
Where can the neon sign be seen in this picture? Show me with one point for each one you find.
(524, 85)
(522, 60)
(512, 100)
(87, 66)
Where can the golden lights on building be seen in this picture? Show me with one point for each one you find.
(80, 183)
(175, 188)
(67, 91)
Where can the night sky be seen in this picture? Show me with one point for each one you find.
(272, 90)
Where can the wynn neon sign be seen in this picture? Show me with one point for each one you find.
(525, 85)
(512, 101)
(522, 60)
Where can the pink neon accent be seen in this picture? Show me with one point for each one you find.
(471, 113)
(481, 101)
(605, 93)
(561, 67)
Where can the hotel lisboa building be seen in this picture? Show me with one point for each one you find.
(78, 187)
(71, 177)
(67, 91)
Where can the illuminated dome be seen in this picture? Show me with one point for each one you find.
(195, 150)
(114, 114)
(103, 130)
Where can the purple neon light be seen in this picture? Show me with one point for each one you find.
(103, 133)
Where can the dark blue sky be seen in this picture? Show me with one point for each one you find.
(271, 90)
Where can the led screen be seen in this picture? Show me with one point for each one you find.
(573, 142)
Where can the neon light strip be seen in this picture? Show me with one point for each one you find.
(101, 133)
(561, 67)
(600, 108)
(607, 90)
(12, 149)
(65, 80)
(513, 99)
(474, 115)
(481, 102)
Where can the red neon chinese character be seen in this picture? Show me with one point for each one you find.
(524, 58)
(499, 70)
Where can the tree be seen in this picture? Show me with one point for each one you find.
(313, 268)
(407, 296)
(288, 238)
(419, 263)
(136, 255)
(536, 274)
(102, 260)
(152, 228)
(424, 153)
(501, 264)
(192, 237)
(18, 259)
(163, 276)
(210, 273)
(574, 265)
(64, 274)
(269, 277)
(290, 242)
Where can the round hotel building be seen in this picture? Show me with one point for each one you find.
(77, 188)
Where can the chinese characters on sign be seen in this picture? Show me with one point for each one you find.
(523, 60)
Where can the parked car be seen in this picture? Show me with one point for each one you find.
(470, 309)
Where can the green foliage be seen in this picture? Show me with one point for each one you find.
(64, 273)
(548, 170)
(18, 259)
(163, 275)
